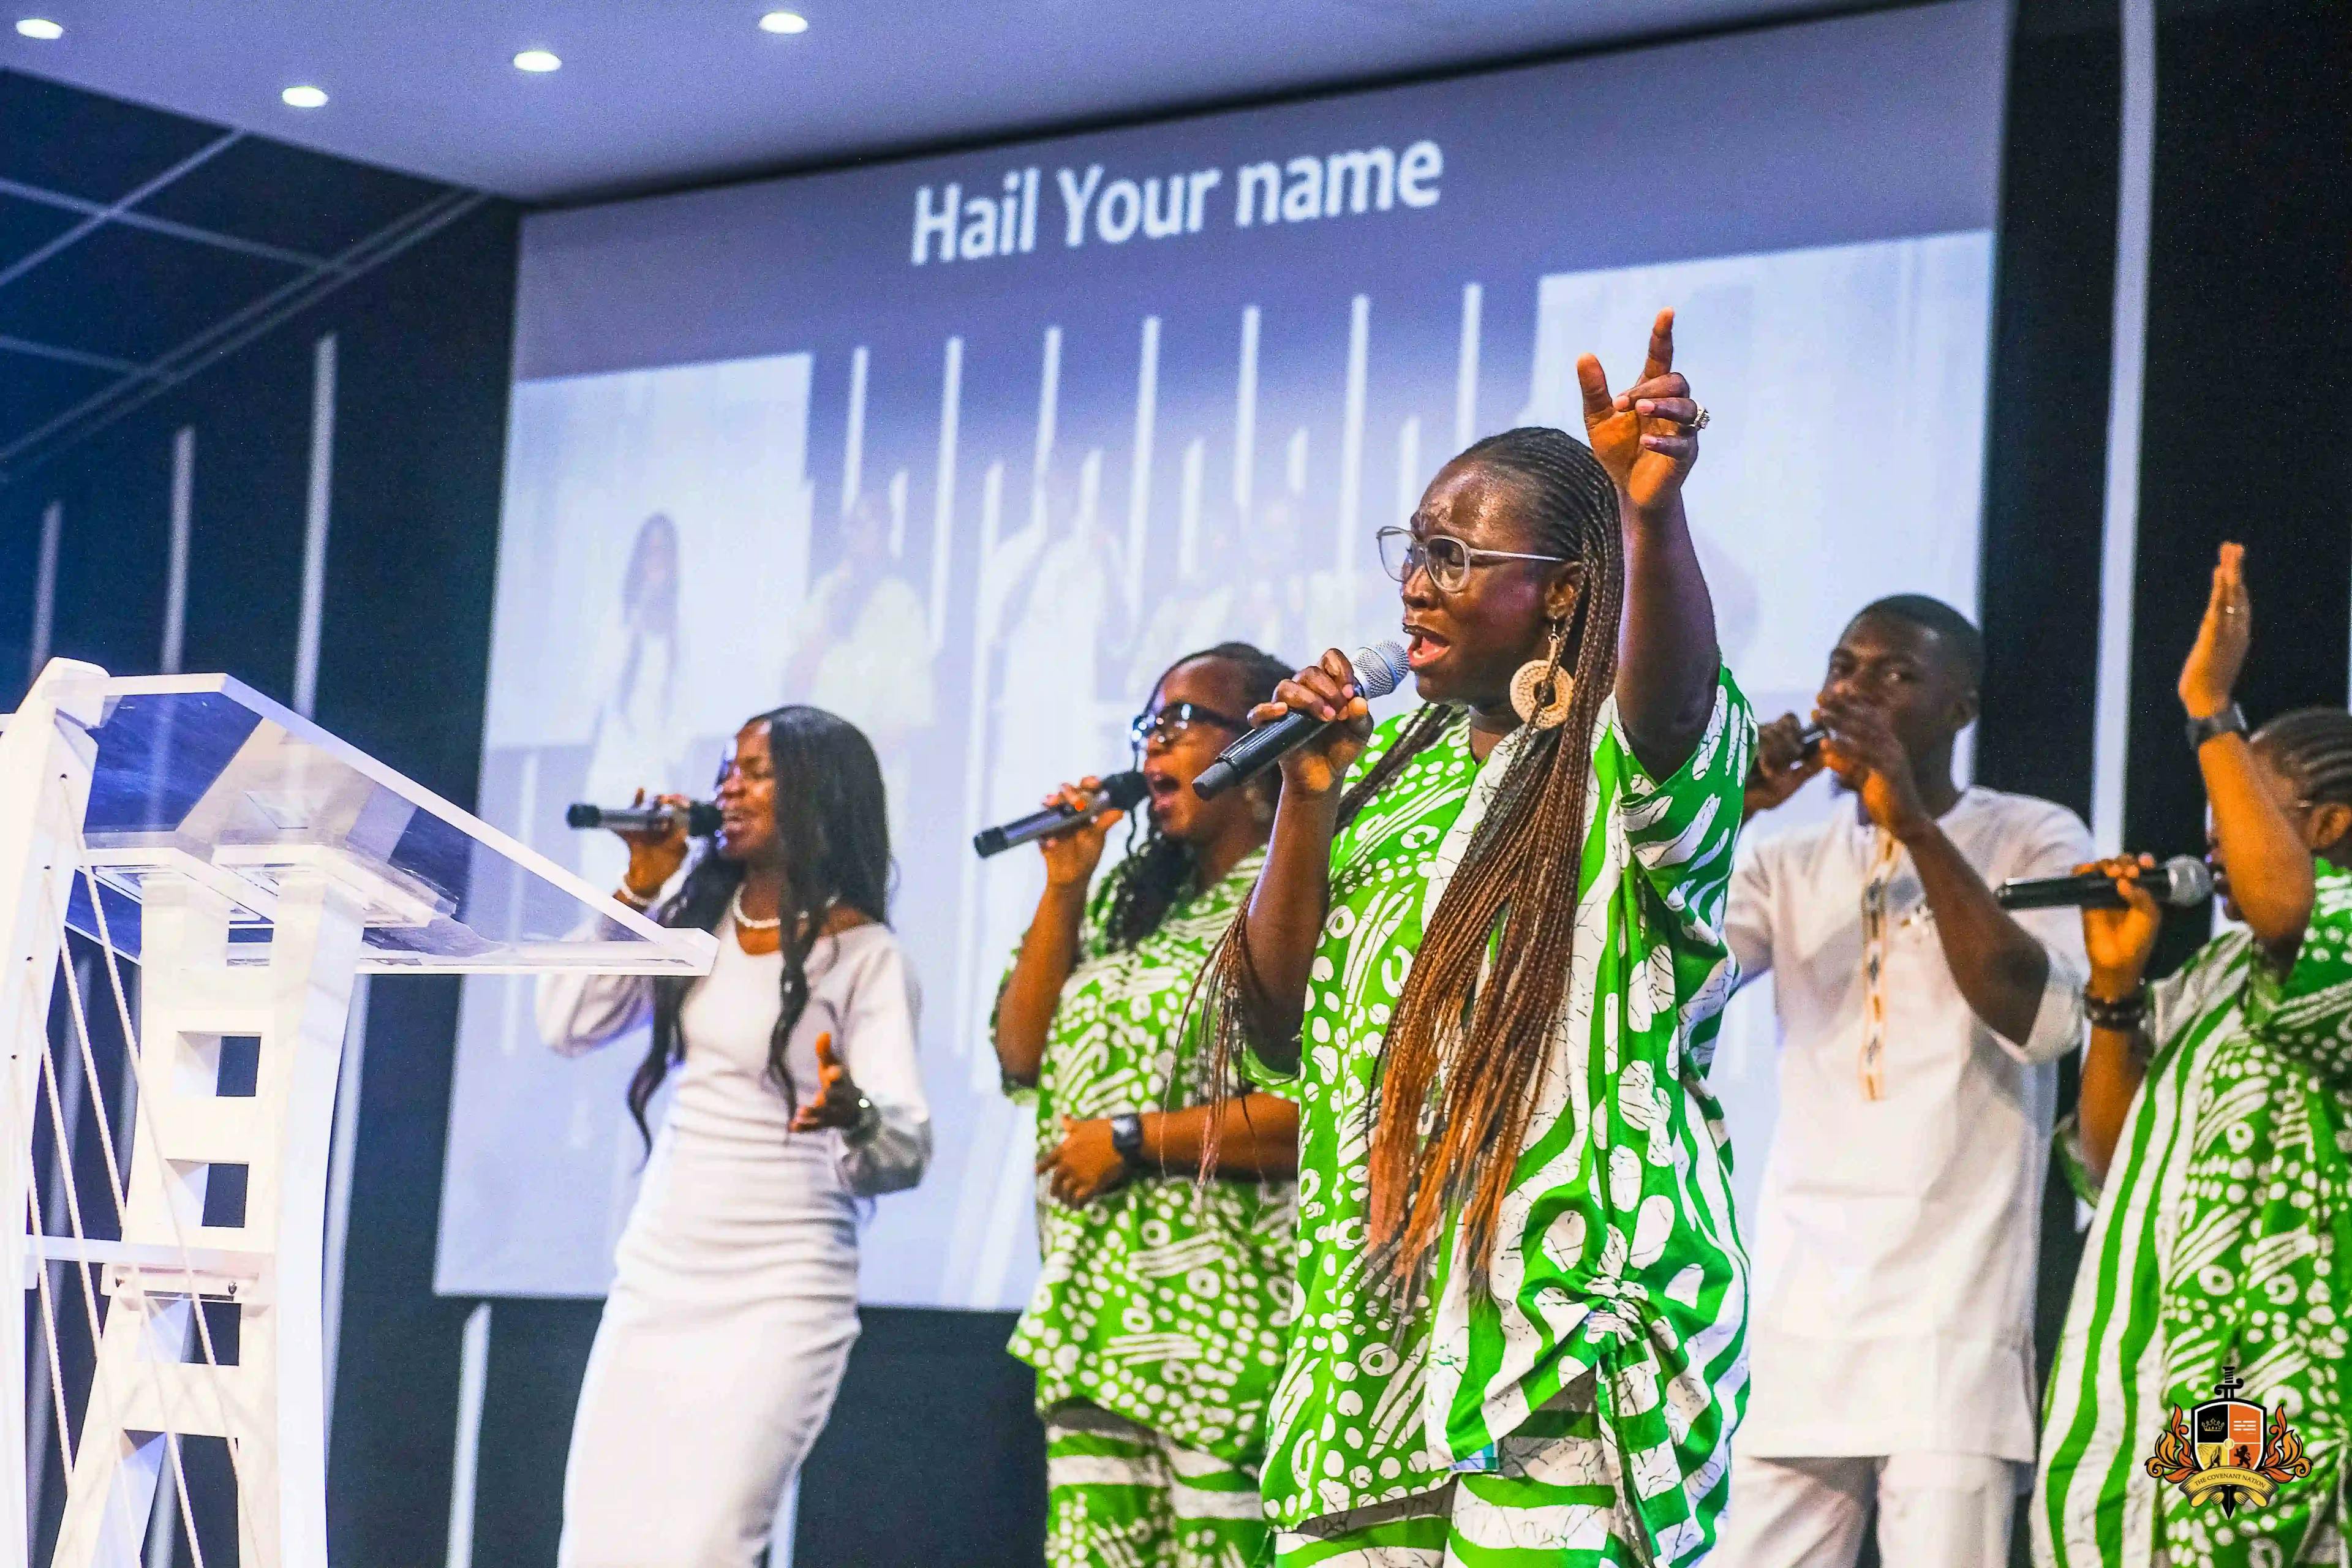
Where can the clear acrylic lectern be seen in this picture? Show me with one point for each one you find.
(166, 1144)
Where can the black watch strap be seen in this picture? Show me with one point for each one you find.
(2230, 721)
(1127, 1137)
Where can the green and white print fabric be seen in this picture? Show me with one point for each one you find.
(1120, 1495)
(1617, 1256)
(1550, 1498)
(2220, 1239)
(1163, 1301)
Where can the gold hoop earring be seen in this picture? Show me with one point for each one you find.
(1539, 692)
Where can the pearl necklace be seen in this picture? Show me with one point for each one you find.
(744, 921)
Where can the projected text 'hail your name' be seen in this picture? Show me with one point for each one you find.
(952, 227)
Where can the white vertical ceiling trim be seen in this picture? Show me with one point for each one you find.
(314, 531)
(45, 589)
(2119, 549)
(175, 581)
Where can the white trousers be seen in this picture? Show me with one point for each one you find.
(1934, 1511)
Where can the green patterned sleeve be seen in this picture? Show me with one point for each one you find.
(2304, 1014)
(1684, 829)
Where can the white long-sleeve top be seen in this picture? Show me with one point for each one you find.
(726, 1166)
(1897, 1237)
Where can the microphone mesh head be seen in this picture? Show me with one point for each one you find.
(1379, 667)
(2187, 881)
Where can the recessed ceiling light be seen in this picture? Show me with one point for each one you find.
(40, 28)
(783, 21)
(304, 98)
(537, 60)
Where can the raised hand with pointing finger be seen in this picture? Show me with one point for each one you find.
(1646, 436)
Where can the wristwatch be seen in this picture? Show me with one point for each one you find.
(2230, 721)
(868, 1122)
(1127, 1137)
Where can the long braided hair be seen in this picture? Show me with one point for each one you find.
(1455, 1080)
(1160, 872)
(833, 824)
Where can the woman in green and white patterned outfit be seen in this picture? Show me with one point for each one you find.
(2215, 1134)
(1499, 938)
(1159, 1319)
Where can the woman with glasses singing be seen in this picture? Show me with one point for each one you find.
(1488, 942)
(1158, 1323)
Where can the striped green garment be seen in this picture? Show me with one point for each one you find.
(1162, 1302)
(2216, 1243)
(1618, 1280)
(1120, 1495)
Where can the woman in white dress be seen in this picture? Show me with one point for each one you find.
(734, 1300)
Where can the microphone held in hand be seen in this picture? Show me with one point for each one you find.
(1120, 792)
(1377, 669)
(2180, 882)
(702, 817)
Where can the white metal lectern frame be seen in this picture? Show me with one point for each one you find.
(252, 865)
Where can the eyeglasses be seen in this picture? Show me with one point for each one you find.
(1446, 558)
(1165, 724)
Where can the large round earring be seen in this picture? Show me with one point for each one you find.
(1539, 692)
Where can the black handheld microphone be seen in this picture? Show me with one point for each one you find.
(1377, 669)
(2179, 882)
(702, 817)
(1809, 750)
(1123, 790)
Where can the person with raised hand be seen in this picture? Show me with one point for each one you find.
(1892, 1345)
(1487, 943)
(2214, 1134)
(1159, 1317)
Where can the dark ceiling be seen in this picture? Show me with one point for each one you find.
(136, 247)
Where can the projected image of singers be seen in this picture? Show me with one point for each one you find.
(633, 675)
(861, 646)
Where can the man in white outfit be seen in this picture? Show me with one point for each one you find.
(1891, 1340)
